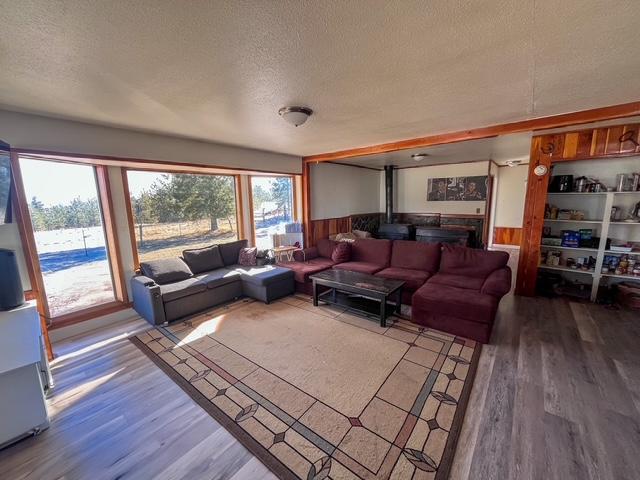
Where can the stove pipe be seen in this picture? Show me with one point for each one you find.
(388, 191)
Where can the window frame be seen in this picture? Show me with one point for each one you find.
(294, 200)
(127, 199)
(27, 237)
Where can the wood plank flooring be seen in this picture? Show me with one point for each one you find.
(557, 395)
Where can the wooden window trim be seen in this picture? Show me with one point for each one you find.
(111, 233)
(239, 208)
(27, 239)
(85, 314)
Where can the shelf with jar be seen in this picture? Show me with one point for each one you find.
(621, 265)
(588, 233)
(557, 260)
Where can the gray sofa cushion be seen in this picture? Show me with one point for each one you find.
(167, 270)
(262, 275)
(203, 259)
(218, 277)
(230, 251)
(184, 288)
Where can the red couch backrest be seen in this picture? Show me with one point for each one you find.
(470, 261)
(371, 250)
(325, 247)
(416, 255)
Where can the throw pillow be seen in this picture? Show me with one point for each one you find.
(341, 252)
(167, 270)
(247, 257)
(203, 259)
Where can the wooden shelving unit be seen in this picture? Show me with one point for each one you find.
(604, 225)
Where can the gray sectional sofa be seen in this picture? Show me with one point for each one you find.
(169, 289)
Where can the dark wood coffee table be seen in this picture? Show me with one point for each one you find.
(360, 292)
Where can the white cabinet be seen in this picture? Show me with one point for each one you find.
(23, 409)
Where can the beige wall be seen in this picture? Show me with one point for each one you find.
(339, 190)
(42, 133)
(410, 189)
(510, 194)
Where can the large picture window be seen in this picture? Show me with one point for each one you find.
(272, 208)
(70, 237)
(175, 211)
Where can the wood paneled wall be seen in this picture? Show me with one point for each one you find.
(589, 144)
(327, 226)
(507, 235)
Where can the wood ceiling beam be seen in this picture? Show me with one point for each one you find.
(542, 123)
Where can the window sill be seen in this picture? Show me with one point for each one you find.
(87, 314)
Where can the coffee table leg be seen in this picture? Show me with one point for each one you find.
(315, 294)
(383, 312)
(399, 301)
(333, 295)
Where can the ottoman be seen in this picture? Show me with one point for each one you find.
(266, 283)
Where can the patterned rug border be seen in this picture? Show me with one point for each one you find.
(458, 419)
(250, 443)
(270, 460)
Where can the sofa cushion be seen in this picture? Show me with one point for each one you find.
(325, 247)
(369, 250)
(341, 252)
(262, 275)
(498, 283)
(470, 261)
(219, 277)
(362, 267)
(166, 270)
(302, 270)
(415, 255)
(184, 288)
(460, 281)
(203, 259)
(231, 250)
(413, 279)
(455, 302)
(248, 257)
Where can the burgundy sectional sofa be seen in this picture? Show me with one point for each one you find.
(462, 297)
(451, 288)
(368, 255)
(413, 262)
(313, 260)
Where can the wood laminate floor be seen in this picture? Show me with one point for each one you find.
(557, 396)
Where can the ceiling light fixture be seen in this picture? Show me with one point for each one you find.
(513, 163)
(419, 156)
(296, 116)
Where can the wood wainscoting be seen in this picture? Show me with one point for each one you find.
(327, 226)
(507, 235)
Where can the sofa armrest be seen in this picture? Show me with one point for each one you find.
(147, 300)
(305, 254)
(498, 283)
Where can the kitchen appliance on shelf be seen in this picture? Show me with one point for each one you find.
(561, 184)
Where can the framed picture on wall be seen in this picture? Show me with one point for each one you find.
(465, 189)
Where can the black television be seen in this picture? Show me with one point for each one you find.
(5, 184)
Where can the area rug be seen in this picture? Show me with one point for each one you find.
(318, 393)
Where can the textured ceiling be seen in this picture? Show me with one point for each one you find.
(373, 70)
(499, 149)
